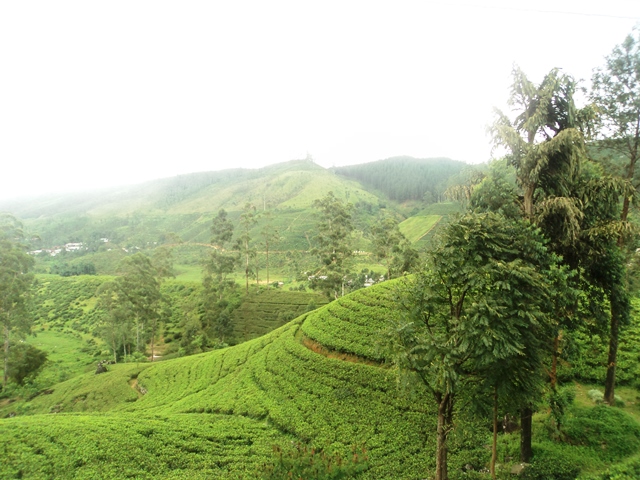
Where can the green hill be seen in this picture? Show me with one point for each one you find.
(320, 379)
(218, 414)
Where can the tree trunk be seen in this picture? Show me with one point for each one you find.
(6, 356)
(528, 201)
(445, 413)
(526, 452)
(494, 443)
(609, 384)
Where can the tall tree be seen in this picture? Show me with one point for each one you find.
(247, 221)
(15, 287)
(220, 262)
(270, 235)
(483, 299)
(616, 94)
(545, 146)
(139, 291)
(333, 244)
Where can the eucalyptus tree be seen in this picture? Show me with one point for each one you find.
(333, 244)
(270, 235)
(484, 299)
(138, 288)
(15, 286)
(220, 262)
(247, 221)
(616, 95)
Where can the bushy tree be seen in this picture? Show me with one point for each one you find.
(484, 298)
(26, 362)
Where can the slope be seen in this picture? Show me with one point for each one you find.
(218, 413)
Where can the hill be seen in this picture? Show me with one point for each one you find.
(177, 212)
(320, 379)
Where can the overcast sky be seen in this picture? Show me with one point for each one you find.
(108, 93)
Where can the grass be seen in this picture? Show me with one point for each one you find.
(414, 228)
(68, 355)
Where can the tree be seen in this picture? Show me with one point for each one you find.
(484, 298)
(333, 246)
(545, 146)
(392, 248)
(220, 262)
(139, 292)
(247, 221)
(616, 94)
(15, 285)
(543, 143)
(26, 362)
(115, 326)
(270, 235)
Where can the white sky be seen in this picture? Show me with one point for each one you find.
(116, 92)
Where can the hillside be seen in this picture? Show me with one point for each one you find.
(319, 379)
(179, 209)
(405, 178)
(217, 414)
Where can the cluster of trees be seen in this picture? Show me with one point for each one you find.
(406, 178)
(334, 247)
(20, 361)
(546, 246)
(133, 306)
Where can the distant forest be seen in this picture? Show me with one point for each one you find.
(406, 178)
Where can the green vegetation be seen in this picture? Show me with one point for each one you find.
(415, 228)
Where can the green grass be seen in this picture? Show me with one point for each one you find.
(414, 228)
(68, 355)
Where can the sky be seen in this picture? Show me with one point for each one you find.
(96, 94)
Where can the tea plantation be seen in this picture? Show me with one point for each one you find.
(218, 414)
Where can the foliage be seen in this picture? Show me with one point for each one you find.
(333, 244)
(483, 305)
(550, 464)
(26, 362)
(15, 287)
(405, 178)
(391, 248)
(302, 461)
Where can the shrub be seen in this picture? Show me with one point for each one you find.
(550, 464)
(303, 461)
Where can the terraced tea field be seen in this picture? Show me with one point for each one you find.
(321, 379)
(270, 390)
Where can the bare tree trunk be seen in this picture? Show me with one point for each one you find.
(494, 443)
(526, 451)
